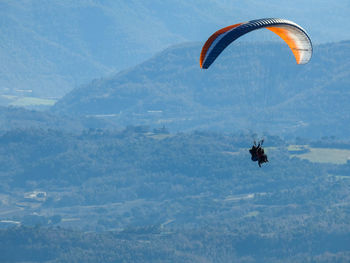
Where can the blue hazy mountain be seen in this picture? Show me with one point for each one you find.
(250, 86)
(49, 47)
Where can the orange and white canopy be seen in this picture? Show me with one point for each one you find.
(294, 35)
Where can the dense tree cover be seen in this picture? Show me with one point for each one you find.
(147, 245)
(12, 118)
(157, 196)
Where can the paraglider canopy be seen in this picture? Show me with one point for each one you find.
(294, 35)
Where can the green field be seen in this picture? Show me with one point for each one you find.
(24, 101)
(32, 101)
(322, 155)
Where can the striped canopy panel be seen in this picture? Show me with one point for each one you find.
(294, 35)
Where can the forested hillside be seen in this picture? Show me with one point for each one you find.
(12, 118)
(115, 146)
(251, 86)
(152, 244)
(164, 196)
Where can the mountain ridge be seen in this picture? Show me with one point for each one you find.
(50, 48)
(255, 82)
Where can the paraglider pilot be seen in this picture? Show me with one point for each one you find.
(258, 154)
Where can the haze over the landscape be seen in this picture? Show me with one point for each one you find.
(115, 146)
(50, 47)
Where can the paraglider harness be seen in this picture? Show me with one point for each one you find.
(258, 153)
